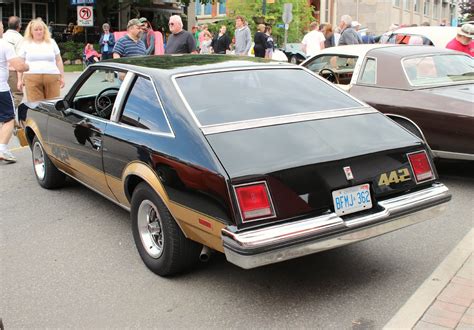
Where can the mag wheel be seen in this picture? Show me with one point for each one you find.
(160, 242)
(47, 174)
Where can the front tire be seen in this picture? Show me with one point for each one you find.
(294, 59)
(160, 242)
(46, 173)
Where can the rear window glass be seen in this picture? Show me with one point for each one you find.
(233, 96)
(439, 69)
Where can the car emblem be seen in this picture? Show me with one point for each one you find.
(348, 172)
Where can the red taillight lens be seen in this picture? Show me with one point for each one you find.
(254, 201)
(421, 166)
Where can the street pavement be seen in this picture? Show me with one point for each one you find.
(67, 259)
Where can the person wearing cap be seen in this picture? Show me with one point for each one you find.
(463, 41)
(148, 36)
(349, 36)
(130, 44)
(180, 41)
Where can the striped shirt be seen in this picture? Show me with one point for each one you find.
(126, 47)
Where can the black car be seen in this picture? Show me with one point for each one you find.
(263, 161)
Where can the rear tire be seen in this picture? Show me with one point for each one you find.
(46, 173)
(160, 242)
(294, 59)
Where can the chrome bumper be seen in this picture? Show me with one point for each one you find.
(263, 246)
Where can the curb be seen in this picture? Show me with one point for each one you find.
(410, 313)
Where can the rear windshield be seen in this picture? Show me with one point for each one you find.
(233, 96)
(439, 69)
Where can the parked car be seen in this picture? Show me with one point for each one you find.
(438, 36)
(294, 53)
(427, 90)
(215, 152)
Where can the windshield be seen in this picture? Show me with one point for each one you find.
(233, 96)
(438, 69)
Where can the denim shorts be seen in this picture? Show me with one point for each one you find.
(7, 110)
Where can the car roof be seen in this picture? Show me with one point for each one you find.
(180, 64)
(401, 51)
(439, 35)
(354, 50)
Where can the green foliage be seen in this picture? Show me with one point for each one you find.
(467, 10)
(298, 27)
(71, 50)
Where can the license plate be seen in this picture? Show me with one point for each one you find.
(352, 199)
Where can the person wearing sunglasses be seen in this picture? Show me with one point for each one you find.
(180, 41)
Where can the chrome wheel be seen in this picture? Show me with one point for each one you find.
(150, 228)
(38, 161)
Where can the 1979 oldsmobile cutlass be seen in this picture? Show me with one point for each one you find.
(230, 154)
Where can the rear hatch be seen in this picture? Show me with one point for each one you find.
(303, 163)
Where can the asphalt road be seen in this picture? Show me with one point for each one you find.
(68, 259)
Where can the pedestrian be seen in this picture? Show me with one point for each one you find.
(260, 41)
(8, 58)
(204, 29)
(270, 46)
(313, 41)
(45, 77)
(148, 36)
(328, 35)
(337, 35)
(243, 39)
(195, 31)
(349, 36)
(463, 40)
(206, 43)
(221, 42)
(386, 36)
(180, 41)
(14, 37)
(106, 42)
(130, 45)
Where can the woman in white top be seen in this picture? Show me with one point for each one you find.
(46, 75)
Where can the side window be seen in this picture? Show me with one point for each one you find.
(97, 94)
(342, 65)
(143, 109)
(369, 73)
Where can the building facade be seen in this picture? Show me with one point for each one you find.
(378, 15)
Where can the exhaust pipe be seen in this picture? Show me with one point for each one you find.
(205, 254)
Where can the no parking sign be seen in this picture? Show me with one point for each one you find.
(85, 16)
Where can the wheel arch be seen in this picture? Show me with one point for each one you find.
(138, 172)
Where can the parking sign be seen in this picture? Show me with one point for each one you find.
(85, 16)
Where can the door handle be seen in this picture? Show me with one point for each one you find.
(96, 143)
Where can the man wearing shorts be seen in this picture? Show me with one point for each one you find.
(7, 110)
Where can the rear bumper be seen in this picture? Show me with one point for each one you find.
(263, 246)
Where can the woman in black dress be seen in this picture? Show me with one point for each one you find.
(260, 40)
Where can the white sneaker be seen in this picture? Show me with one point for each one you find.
(7, 156)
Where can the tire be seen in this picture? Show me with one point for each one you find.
(46, 173)
(165, 251)
(294, 59)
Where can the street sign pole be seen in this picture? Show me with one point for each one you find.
(287, 17)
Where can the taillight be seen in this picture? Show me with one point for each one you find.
(421, 166)
(254, 201)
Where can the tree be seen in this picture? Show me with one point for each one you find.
(298, 27)
(467, 10)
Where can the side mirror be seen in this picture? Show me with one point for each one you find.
(61, 105)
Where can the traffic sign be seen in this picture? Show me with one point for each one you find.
(85, 16)
(287, 14)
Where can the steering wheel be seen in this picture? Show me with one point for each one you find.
(329, 75)
(103, 103)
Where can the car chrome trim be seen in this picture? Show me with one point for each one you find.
(238, 204)
(452, 155)
(287, 119)
(262, 246)
(410, 121)
(121, 96)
